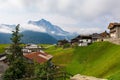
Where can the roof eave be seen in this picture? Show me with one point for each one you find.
(110, 26)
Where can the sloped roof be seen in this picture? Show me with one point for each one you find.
(104, 34)
(39, 57)
(83, 37)
(111, 25)
(95, 35)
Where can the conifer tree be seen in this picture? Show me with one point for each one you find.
(17, 65)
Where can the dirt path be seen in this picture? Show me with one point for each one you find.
(3, 67)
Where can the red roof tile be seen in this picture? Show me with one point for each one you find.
(39, 57)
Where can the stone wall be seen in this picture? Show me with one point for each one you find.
(113, 40)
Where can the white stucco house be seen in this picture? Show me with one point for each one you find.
(31, 48)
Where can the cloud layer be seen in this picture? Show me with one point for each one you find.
(71, 15)
(32, 27)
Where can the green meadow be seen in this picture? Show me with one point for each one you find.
(2, 47)
(101, 59)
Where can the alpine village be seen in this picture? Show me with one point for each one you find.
(59, 39)
(79, 58)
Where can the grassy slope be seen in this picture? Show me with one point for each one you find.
(101, 59)
(61, 56)
(2, 47)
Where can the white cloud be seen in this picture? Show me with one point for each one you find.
(84, 30)
(32, 27)
(5, 30)
(11, 5)
(63, 13)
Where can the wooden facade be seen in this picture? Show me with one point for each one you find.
(114, 30)
(82, 40)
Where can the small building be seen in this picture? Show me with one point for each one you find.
(114, 30)
(31, 48)
(82, 40)
(104, 35)
(100, 36)
(74, 41)
(62, 42)
(28, 48)
(39, 57)
(95, 37)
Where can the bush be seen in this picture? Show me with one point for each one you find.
(66, 45)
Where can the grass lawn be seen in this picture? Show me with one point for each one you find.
(2, 47)
(101, 59)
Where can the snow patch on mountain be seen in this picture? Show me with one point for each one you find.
(43, 26)
(49, 27)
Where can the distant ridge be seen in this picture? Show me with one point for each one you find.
(53, 30)
(29, 37)
(5, 38)
(43, 31)
(37, 38)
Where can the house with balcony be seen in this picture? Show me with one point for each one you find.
(114, 30)
(82, 40)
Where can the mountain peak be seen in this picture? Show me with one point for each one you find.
(42, 20)
(50, 28)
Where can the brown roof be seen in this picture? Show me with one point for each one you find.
(111, 25)
(104, 34)
(95, 36)
(39, 57)
(83, 37)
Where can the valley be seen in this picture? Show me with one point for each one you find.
(101, 59)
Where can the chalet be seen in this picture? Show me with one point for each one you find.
(39, 57)
(62, 42)
(100, 36)
(95, 37)
(104, 35)
(74, 41)
(28, 48)
(114, 30)
(31, 48)
(82, 40)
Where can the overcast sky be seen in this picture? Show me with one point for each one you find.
(82, 16)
